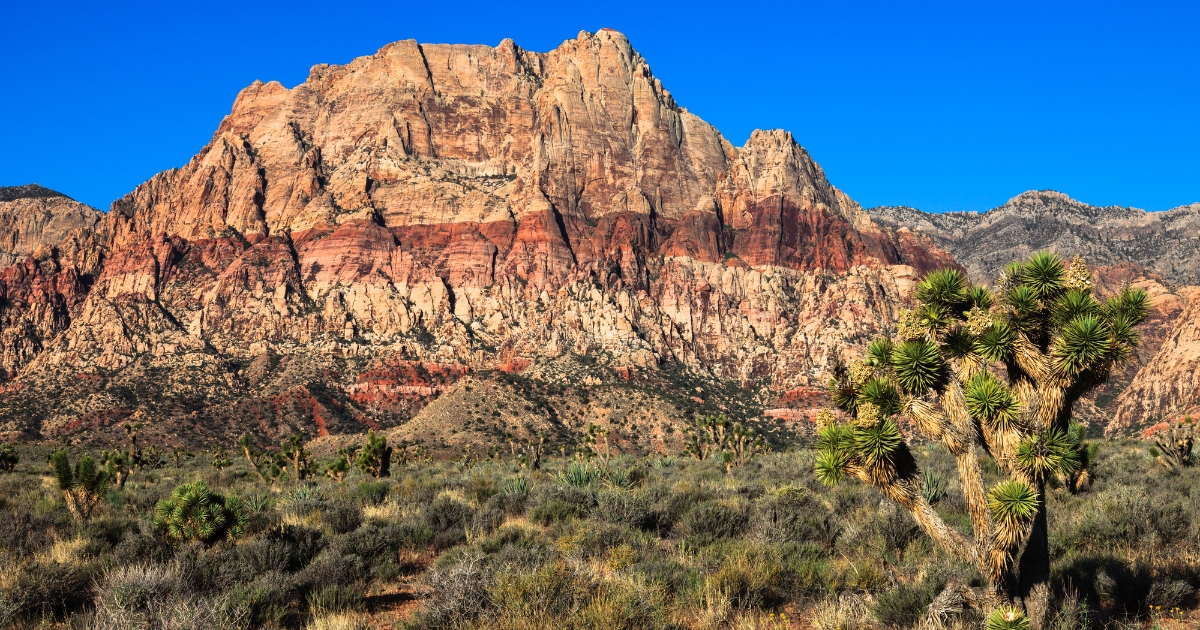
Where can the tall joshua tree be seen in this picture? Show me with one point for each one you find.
(981, 370)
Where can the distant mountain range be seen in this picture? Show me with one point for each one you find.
(1166, 243)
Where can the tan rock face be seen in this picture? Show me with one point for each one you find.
(1169, 384)
(461, 205)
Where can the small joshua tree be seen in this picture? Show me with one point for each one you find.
(706, 436)
(266, 465)
(1176, 443)
(375, 459)
(118, 465)
(1055, 342)
(294, 452)
(193, 512)
(8, 457)
(81, 484)
(743, 444)
(596, 444)
(531, 457)
(217, 459)
(337, 469)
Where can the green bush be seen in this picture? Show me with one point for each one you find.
(554, 511)
(712, 521)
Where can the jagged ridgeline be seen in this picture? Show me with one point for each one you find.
(343, 252)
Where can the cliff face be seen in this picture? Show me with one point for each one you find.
(1164, 243)
(1169, 384)
(440, 205)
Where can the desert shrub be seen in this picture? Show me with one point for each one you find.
(342, 518)
(511, 503)
(487, 520)
(26, 532)
(628, 508)
(1072, 613)
(459, 595)
(674, 577)
(134, 596)
(264, 555)
(51, 588)
(791, 514)
(842, 612)
(903, 605)
(1168, 594)
(748, 577)
(331, 568)
(334, 599)
(712, 521)
(448, 519)
(303, 543)
(894, 527)
(141, 544)
(539, 595)
(265, 599)
(372, 492)
(555, 510)
(480, 489)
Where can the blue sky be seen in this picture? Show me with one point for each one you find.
(941, 106)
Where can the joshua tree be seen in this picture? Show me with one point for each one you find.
(258, 459)
(217, 458)
(743, 445)
(196, 513)
(531, 458)
(1054, 340)
(1176, 443)
(118, 465)
(81, 485)
(293, 451)
(376, 456)
(8, 457)
(706, 437)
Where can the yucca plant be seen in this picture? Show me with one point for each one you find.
(118, 465)
(375, 458)
(194, 512)
(1175, 444)
(1055, 342)
(80, 484)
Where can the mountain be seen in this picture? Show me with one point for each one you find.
(345, 251)
(1166, 243)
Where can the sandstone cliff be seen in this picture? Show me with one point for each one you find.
(459, 207)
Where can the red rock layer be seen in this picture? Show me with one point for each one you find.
(461, 204)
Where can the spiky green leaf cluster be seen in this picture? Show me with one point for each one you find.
(835, 452)
(194, 512)
(1012, 503)
(1007, 618)
(996, 344)
(882, 394)
(1050, 453)
(1084, 341)
(876, 443)
(917, 365)
(989, 400)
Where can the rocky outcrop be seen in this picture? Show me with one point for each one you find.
(1169, 384)
(1165, 243)
(444, 205)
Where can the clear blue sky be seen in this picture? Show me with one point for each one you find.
(943, 106)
